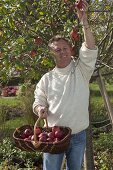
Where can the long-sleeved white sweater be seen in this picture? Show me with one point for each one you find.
(65, 91)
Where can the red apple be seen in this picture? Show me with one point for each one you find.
(59, 134)
(23, 136)
(32, 137)
(74, 34)
(38, 41)
(28, 132)
(50, 139)
(43, 138)
(33, 52)
(55, 128)
(43, 134)
(51, 135)
(79, 4)
(56, 140)
(38, 131)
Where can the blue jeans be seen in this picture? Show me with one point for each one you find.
(74, 154)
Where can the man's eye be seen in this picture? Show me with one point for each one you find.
(65, 48)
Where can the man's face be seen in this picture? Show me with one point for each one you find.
(61, 51)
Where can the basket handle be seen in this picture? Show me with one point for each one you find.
(37, 122)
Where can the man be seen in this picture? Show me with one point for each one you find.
(62, 95)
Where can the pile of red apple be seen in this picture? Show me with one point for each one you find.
(53, 134)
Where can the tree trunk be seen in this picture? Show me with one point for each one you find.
(89, 156)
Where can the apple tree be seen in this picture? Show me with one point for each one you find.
(27, 25)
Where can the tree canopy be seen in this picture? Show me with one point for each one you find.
(27, 25)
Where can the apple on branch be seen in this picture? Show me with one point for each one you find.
(33, 53)
(79, 4)
(38, 40)
(74, 34)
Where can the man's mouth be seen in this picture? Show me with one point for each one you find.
(63, 56)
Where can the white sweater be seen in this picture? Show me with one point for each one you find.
(65, 91)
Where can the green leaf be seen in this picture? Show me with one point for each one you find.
(21, 40)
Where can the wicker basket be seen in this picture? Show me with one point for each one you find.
(49, 147)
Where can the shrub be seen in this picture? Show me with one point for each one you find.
(10, 156)
(103, 147)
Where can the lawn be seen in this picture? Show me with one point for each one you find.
(10, 101)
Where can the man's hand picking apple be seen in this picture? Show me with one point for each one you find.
(82, 7)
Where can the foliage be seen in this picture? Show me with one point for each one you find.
(95, 91)
(2, 120)
(9, 155)
(104, 142)
(103, 147)
(22, 22)
(10, 118)
(27, 98)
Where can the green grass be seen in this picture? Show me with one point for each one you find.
(95, 90)
(95, 86)
(10, 101)
(20, 121)
(9, 126)
(97, 106)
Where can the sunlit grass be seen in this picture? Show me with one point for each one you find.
(17, 122)
(10, 101)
